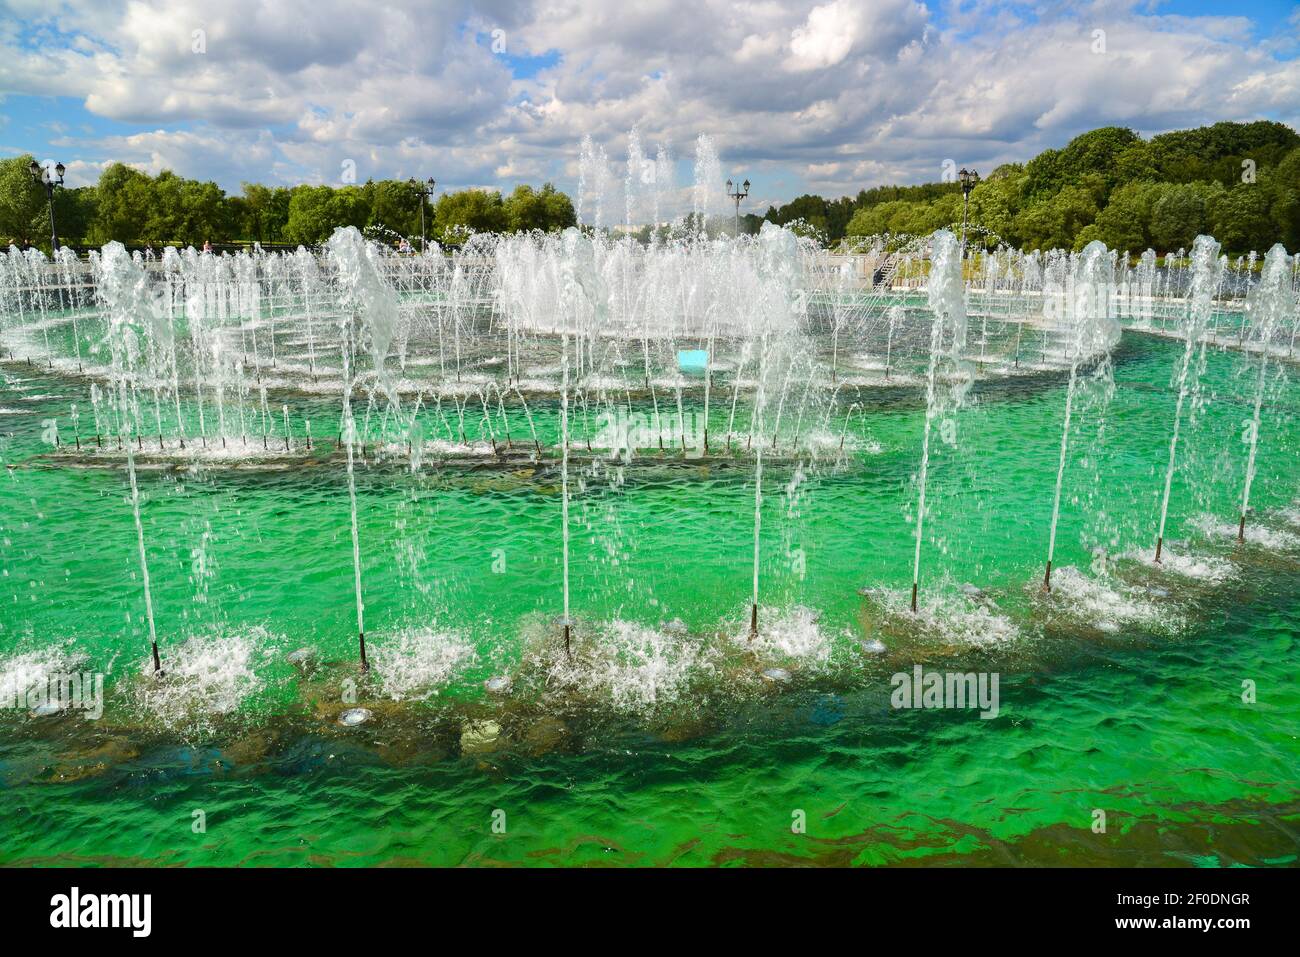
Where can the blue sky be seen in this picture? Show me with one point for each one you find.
(799, 95)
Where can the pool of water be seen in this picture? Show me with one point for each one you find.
(665, 743)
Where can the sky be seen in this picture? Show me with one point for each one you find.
(797, 95)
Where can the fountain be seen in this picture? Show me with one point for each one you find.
(1092, 332)
(122, 287)
(1206, 274)
(1267, 307)
(368, 315)
(947, 341)
(815, 361)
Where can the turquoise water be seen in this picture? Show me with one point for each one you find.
(1128, 702)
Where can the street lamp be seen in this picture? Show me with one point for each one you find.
(50, 180)
(424, 190)
(969, 178)
(737, 193)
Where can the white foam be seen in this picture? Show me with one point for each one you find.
(418, 663)
(791, 636)
(955, 617)
(1274, 539)
(1104, 603)
(19, 673)
(635, 667)
(1204, 568)
(205, 675)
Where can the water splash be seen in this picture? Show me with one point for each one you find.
(417, 663)
(947, 297)
(1207, 271)
(1267, 307)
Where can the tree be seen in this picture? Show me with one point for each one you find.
(206, 214)
(995, 202)
(316, 211)
(1240, 219)
(1095, 152)
(546, 209)
(868, 221)
(1053, 223)
(122, 205)
(1125, 223)
(470, 210)
(1178, 217)
(395, 207)
(1284, 183)
(74, 209)
(1216, 153)
(24, 214)
(262, 213)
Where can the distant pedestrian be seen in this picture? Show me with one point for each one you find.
(207, 246)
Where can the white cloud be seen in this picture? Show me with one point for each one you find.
(826, 38)
(834, 95)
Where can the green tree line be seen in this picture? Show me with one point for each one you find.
(136, 208)
(1237, 181)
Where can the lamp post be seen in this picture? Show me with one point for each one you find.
(50, 180)
(737, 193)
(424, 190)
(969, 178)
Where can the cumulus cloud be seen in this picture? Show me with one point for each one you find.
(833, 95)
(826, 37)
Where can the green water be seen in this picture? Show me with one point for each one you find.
(1145, 722)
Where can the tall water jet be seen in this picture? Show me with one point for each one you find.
(947, 298)
(1092, 330)
(1266, 306)
(582, 296)
(1206, 272)
(566, 622)
(367, 317)
(123, 287)
(758, 527)
(707, 194)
